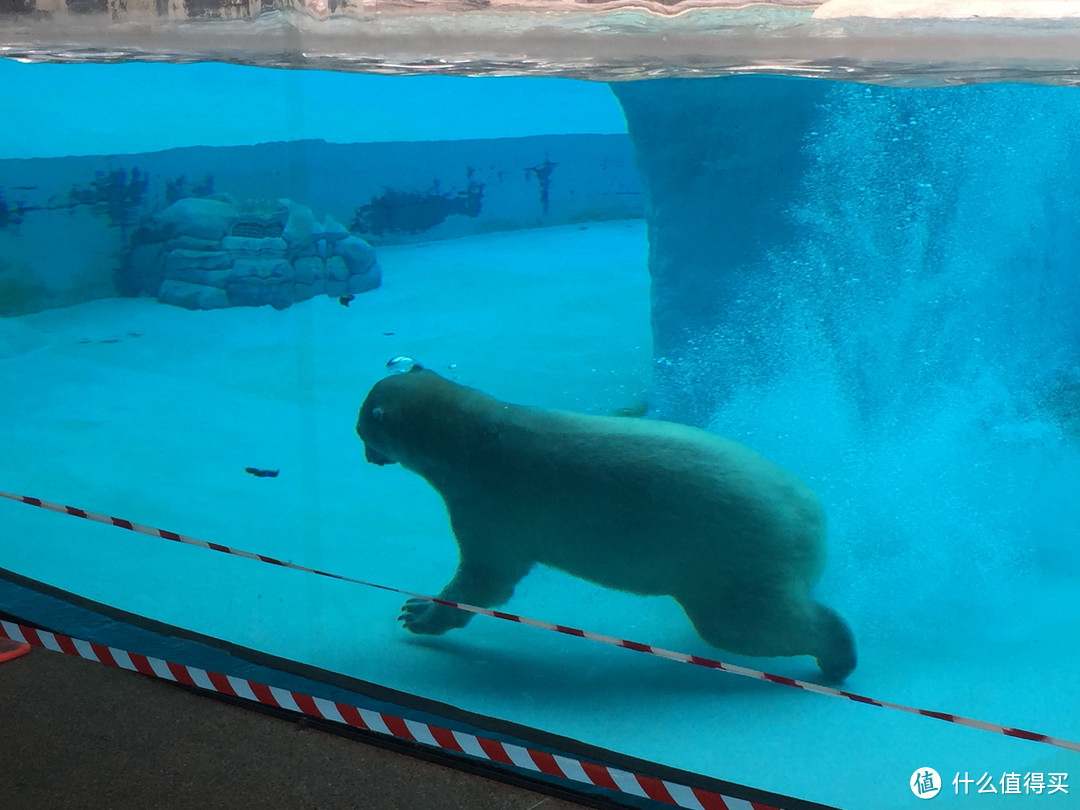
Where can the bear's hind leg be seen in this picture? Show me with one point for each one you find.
(473, 584)
(836, 656)
(776, 626)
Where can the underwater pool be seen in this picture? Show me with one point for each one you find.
(205, 268)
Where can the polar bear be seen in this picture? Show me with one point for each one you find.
(649, 507)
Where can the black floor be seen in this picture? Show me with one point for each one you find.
(76, 734)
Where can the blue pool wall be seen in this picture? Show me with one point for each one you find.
(65, 222)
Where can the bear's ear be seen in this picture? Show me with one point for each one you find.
(377, 413)
(416, 367)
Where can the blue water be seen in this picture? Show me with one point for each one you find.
(924, 314)
(904, 336)
(116, 109)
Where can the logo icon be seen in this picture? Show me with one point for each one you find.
(925, 783)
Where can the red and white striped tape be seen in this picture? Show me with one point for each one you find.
(637, 646)
(458, 742)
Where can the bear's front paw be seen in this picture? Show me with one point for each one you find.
(429, 619)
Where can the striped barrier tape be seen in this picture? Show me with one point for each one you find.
(636, 646)
(457, 742)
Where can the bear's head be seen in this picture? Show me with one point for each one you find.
(389, 412)
(425, 423)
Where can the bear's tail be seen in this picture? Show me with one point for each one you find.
(836, 658)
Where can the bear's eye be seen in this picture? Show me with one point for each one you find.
(377, 414)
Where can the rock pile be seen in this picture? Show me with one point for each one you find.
(204, 254)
